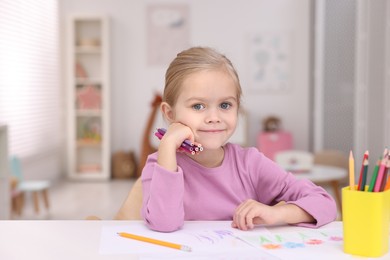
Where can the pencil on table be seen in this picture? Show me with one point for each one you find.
(155, 241)
(351, 171)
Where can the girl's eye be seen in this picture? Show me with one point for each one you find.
(198, 106)
(225, 105)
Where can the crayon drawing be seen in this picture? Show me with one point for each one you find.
(269, 61)
(308, 244)
(303, 239)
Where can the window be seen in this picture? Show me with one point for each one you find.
(30, 93)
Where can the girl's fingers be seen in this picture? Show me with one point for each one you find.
(240, 216)
(247, 216)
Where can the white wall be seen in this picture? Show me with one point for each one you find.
(372, 120)
(222, 24)
(4, 175)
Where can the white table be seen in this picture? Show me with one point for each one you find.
(82, 239)
(320, 174)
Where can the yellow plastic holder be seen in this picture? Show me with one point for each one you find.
(366, 217)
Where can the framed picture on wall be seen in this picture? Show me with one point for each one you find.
(167, 32)
(269, 61)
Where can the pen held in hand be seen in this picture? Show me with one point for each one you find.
(155, 241)
(186, 146)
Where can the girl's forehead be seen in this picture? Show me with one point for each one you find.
(207, 79)
(208, 91)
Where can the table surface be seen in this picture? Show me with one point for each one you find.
(82, 239)
(322, 173)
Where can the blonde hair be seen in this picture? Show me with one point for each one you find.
(191, 61)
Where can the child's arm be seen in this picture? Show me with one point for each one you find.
(162, 197)
(251, 212)
(163, 183)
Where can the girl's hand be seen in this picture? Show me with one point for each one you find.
(177, 133)
(170, 143)
(251, 213)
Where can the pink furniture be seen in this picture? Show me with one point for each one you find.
(270, 143)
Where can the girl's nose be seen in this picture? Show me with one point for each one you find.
(213, 117)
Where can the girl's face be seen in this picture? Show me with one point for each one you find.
(208, 104)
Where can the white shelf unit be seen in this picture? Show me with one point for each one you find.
(88, 97)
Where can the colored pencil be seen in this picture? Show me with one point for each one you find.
(381, 173)
(155, 241)
(186, 145)
(386, 176)
(351, 171)
(387, 184)
(187, 142)
(163, 131)
(364, 178)
(361, 185)
(374, 175)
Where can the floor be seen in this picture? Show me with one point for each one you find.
(71, 200)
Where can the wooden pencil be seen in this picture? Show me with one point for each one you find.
(155, 241)
(351, 171)
(361, 185)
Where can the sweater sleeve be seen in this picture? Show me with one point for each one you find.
(163, 191)
(315, 201)
(279, 185)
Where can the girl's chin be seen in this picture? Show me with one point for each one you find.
(212, 147)
(212, 144)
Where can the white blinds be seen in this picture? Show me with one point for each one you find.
(29, 75)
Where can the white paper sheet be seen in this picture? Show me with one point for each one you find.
(208, 240)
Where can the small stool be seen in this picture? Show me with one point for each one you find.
(16, 197)
(36, 188)
(26, 186)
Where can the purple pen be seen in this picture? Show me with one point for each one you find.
(163, 131)
(158, 135)
(184, 147)
(185, 150)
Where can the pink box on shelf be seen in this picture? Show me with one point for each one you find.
(269, 143)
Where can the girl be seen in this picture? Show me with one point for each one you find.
(225, 181)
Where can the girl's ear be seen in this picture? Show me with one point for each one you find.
(167, 112)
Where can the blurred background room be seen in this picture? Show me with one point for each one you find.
(80, 84)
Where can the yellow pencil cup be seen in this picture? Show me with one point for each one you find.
(366, 217)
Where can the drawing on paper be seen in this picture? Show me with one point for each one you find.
(294, 240)
(168, 32)
(269, 61)
(216, 236)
